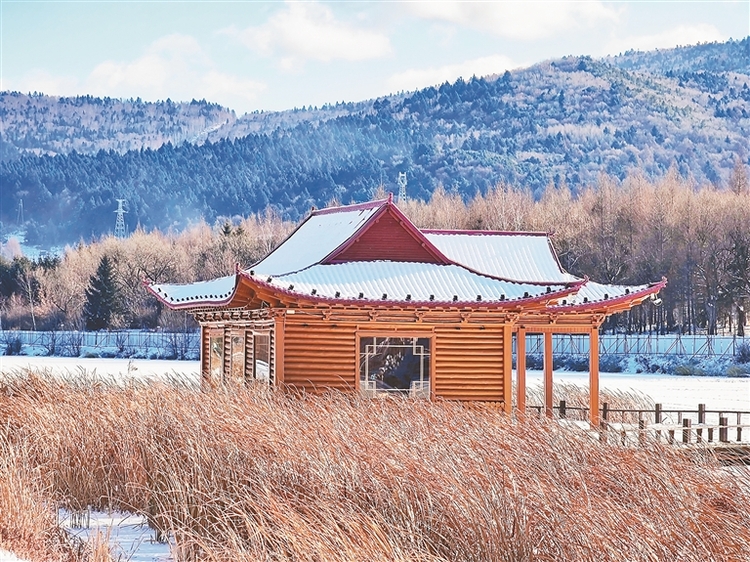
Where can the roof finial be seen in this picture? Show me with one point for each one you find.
(390, 197)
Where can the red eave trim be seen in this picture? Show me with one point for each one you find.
(506, 304)
(194, 303)
(609, 303)
(483, 232)
(388, 207)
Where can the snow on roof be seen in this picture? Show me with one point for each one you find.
(597, 292)
(519, 256)
(405, 281)
(316, 238)
(216, 291)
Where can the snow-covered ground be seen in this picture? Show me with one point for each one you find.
(6, 556)
(672, 391)
(110, 369)
(129, 536)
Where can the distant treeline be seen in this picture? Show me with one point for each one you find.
(634, 232)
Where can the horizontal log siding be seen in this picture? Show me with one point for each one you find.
(319, 355)
(469, 363)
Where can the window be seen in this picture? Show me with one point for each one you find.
(390, 365)
(262, 356)
(216, 357)
(238, 358)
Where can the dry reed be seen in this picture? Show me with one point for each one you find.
(250, 474)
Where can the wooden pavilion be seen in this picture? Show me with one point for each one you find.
(359, 299)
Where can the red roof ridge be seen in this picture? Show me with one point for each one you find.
(348, 208)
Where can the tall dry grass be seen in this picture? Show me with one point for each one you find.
(250, 474)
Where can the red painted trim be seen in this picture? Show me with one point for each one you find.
(350, 208)
(554, 295)
(604, 304)
(389, 207)
(194, 303)
(484, 232)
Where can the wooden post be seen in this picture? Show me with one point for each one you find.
(562, 409)
(594, 376)
(657, 420)
(641, 432)
(739, 428)
(710, 434)
(278, 340)
(507, 369)
(521, 371)
(723, 430)
(701, 422)
(548, 373)
(686, 424)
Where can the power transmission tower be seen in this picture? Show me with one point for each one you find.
(120, 222)
(402, 187)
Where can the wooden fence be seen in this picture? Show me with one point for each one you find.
(685, 427)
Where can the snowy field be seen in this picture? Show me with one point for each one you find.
(105, 369)
(672, 391)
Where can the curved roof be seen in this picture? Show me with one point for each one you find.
(468, 267)
(520, 256)
(216, 292)
(409, 281)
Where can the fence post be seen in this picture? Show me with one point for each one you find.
(701, 422)
(657, 420)
(641, 432)
(603, 422)
(686, 424)
(562, 409)
(739, 429)
(723, 429)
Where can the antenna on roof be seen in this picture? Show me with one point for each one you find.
(402, 187)
(120, 221)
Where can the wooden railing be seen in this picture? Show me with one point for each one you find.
(673, 426)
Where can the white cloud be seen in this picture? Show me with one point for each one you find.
(680, 35)
(174, 66)
(516, 19)
(419, 78)
(309, 31)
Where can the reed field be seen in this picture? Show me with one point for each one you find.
(246, 474)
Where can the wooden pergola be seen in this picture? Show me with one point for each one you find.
(359, 299)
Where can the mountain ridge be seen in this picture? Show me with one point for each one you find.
(563, 122)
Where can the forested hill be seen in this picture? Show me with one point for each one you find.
(563, 121)
(38, 124)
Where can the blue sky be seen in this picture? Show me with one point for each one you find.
(253, 55)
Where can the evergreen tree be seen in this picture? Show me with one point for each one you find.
(103, 299)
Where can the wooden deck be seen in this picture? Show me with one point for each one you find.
(725, 432)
